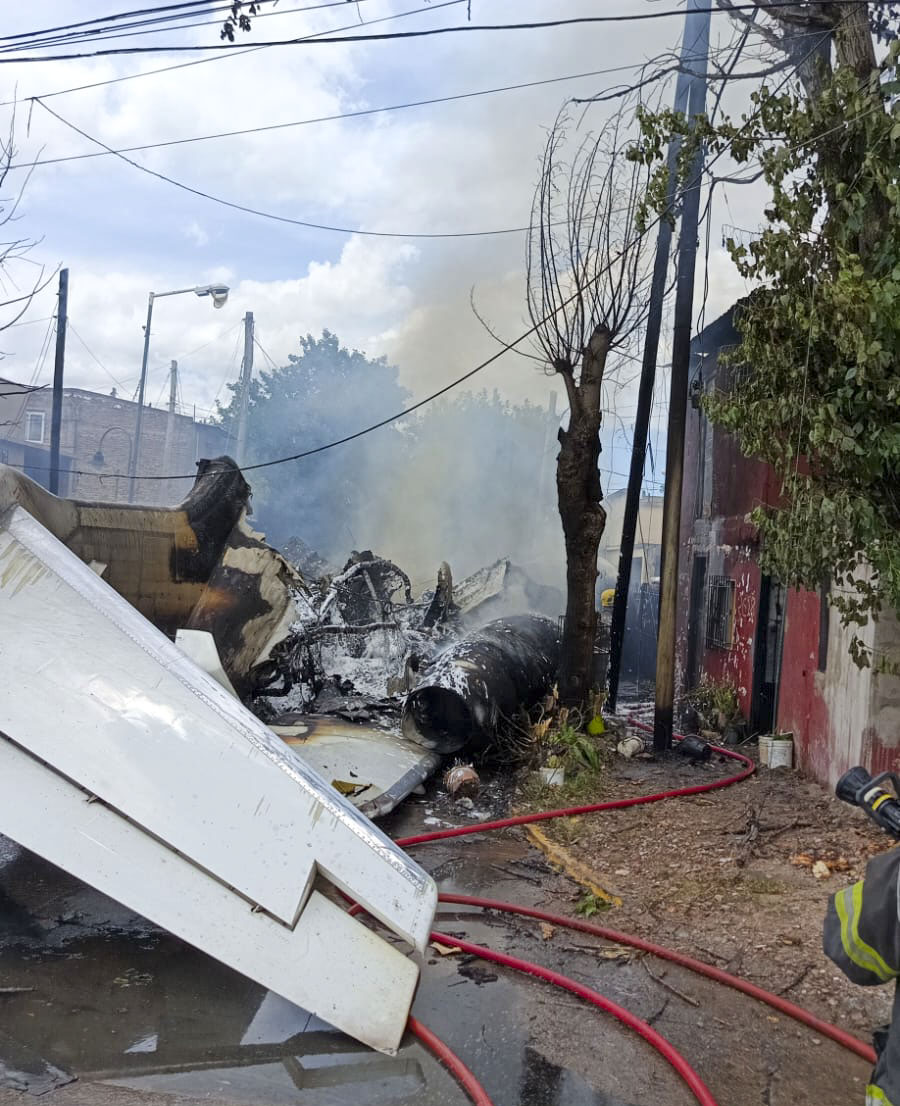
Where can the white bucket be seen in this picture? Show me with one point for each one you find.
(781, 754)
(553, 777)
(765, 744)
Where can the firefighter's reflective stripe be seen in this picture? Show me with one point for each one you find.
(875, 1096)
(849, 904)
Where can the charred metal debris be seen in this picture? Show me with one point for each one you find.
(364, 648)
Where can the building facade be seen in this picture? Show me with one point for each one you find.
(785, 651)
(97, 441)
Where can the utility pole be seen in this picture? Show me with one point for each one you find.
(56, 415)
(168, 448)
(244, 403)
(139, 418)
(173, 386)
(678, 397)
(694, 45)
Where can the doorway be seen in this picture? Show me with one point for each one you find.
(767, 658)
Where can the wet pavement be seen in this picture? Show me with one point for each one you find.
(111, 999)
(141, 1018)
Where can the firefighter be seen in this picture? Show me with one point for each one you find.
(862, 936)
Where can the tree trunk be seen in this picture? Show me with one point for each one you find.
(583, 519)
(853, 43)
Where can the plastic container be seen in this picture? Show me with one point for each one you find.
(781, 752)
(553, 777)
(630, 746)
(765, 745)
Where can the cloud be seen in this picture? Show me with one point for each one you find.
(196, 234)
(460, 166)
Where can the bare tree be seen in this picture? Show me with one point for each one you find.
(587, 284)
(15, 298)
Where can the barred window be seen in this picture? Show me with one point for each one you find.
(720, 613)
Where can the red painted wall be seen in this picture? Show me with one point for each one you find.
(801, 709)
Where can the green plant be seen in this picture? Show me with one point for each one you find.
(716, 701)
(576, 749)
(590, 904)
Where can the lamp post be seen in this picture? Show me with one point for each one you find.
(99, 460)
(218, 294)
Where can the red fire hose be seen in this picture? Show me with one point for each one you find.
(678, 1062)
(590, 808)
(782, 1005)
(699, 1089)
(450, 1060)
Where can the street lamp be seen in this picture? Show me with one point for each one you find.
(219, 294)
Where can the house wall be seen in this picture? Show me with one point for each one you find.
(647, 537)
(169, 444)
(844, 715)
(721, 487)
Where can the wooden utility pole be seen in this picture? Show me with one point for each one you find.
(246, 374)
(678, 397)
(56, 415)
(694, 45)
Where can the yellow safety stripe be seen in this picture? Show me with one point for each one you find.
(848, 904)
(875, 1096)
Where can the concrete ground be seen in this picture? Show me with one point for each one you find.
(142, 1019)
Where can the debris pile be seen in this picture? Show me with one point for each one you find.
(361, 643)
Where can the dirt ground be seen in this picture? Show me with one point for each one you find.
(728, 877)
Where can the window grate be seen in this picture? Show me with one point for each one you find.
(720, 613)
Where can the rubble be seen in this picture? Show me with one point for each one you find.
(129, 766)
(165, 622)
(306, 560)
(462, 781)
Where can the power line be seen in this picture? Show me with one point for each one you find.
(237, 49)
(94, 355)
(222, 57)
(133, 30)
(258, 345)
(247, 210)
(328, 118)
(388, 36)
(506, 346)
(204, 4)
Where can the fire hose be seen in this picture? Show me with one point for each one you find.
(862, 793)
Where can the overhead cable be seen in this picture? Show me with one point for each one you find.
(238, 53)
(361, 113)
(506, 346)
(389, 36)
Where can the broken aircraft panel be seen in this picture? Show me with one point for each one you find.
(133, 769)
(197, 566)
(369, 765)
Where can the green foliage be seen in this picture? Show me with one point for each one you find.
(814, 385)
(324, 393)
(579, 751)
(590, 904)
(716, 701)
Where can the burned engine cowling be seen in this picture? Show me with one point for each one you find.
(467, 692)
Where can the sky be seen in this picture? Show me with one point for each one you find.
(468, 165)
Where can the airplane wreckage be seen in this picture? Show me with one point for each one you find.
(193, 728)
